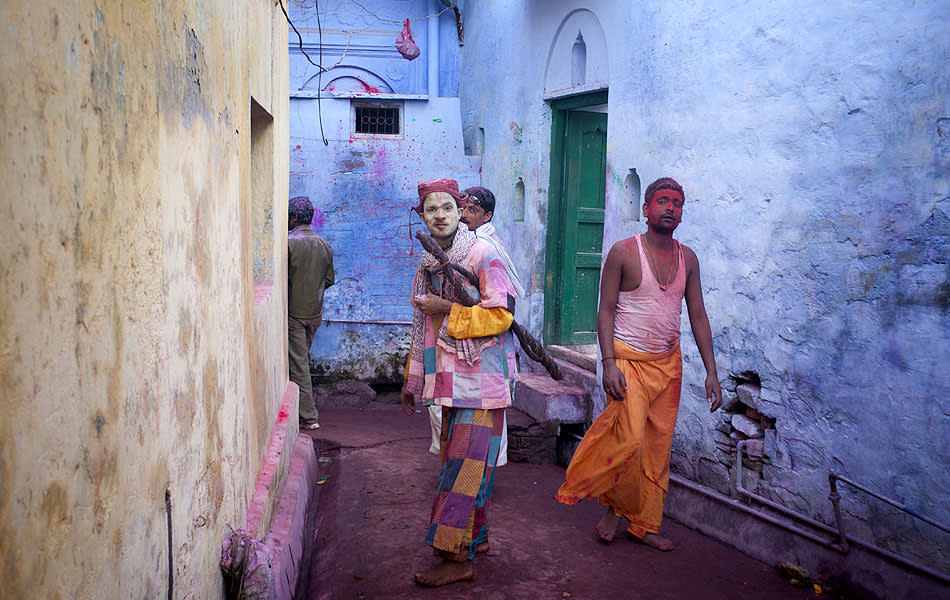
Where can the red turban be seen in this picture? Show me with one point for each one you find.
(447, 185)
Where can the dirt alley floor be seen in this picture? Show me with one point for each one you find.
(377, 485)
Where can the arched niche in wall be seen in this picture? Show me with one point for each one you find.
(347, 79)
(631, 196)
(474, 140)
(577, 57)
(579, 61)
(518, 202)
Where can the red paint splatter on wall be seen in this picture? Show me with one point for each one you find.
(368, 88)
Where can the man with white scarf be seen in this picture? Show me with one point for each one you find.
(477, 211)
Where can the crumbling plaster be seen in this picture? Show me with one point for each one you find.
(811, 141)
(133, 359)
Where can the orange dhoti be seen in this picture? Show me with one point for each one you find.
(624, 459)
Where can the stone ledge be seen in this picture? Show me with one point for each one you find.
(546, 400)
(291, 531)
(585, 361)
(274, 470)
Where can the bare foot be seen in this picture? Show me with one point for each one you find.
(607, 527)
(446, 572)
(656, 541)
(483, 547)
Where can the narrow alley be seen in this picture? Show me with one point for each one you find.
(210, 228)
(374, 501)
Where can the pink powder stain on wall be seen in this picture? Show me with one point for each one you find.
(319, 218)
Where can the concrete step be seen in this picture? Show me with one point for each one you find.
(547, 401)
(584, 357)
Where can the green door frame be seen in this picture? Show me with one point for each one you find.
(553, 285)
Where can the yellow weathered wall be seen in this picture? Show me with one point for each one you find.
(133, 358)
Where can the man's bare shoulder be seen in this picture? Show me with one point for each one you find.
(689, 257)
(625, 248)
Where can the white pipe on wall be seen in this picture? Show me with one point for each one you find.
(432, 52)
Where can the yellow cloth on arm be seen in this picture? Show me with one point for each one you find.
(405, 374)
(624, 458)
(476, 321)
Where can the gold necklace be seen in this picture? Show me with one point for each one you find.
(669, 278)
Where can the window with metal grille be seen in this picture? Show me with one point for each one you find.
(377, 119)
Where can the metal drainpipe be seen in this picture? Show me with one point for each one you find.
(782, 509)
(842, 545)
(835, 498)
(832, 477)
(432, 52)
(735, 503)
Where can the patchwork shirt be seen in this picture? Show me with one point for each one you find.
(445, 377)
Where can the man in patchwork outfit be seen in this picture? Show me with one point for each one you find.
(462, 359)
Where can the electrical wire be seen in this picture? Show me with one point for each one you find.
(320, 68)
(316, 5)
(300, 37)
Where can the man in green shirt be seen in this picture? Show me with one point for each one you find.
(309, 273)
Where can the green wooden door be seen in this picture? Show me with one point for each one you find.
(575, 221)
(585, 152)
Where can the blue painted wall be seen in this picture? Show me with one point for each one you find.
(812, 140)
(363, 186)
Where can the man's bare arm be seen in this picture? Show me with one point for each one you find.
(699, 323)
(614, 383)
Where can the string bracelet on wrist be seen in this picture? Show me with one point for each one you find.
(607, 358)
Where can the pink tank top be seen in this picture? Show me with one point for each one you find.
(648, 318)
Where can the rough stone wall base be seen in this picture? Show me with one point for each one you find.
(273, 473)
(860, 571)
(280, 512)
(291, 530)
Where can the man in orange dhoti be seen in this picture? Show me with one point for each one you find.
(624, 459)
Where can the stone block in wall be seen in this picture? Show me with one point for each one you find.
(530, 441)
(725, 455)
(770, 404)
(747, 426)
(547, 400)
(754, 449)
(713, 474)
(348, 394)
(748, 394)
(681, 464)
(753, 414)
(751, 478)
(730, 403)
(723, 437)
